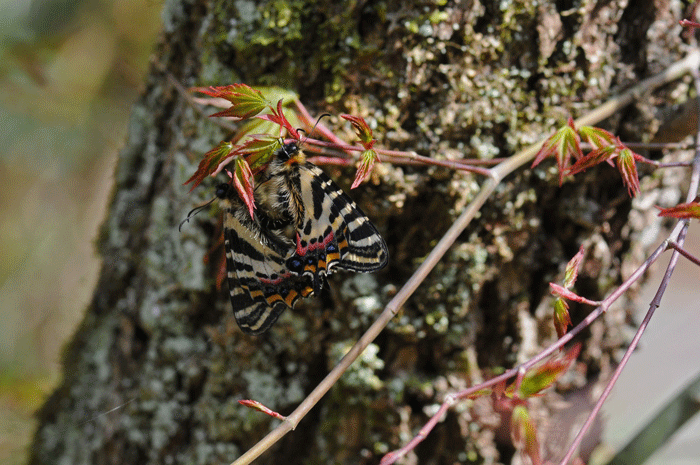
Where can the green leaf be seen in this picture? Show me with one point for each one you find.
(545, 375)
(362, 129)
(365, 168)
(524, 434)
(211, 161)
(258, 151)
(683, 210)
(243, 182)
(563, 145)
(245, 100)
(628, 169)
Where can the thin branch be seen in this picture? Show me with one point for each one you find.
(397, 157)
(496, 174)
(660, 145)
(659, 164)
(684, 252)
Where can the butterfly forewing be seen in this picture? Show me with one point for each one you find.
(304, 225)
(335, 214)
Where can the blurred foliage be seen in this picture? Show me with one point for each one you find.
(69, 71)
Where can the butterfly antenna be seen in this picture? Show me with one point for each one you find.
(193, 212)
(301, 141)
(318, 121)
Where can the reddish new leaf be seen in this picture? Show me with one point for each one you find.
(362, 129)
(682, 211)
(593, 158)
(258, 150)
(524, 434)
(628, 169)
(245, 101)
(572, 267)
(560, 291)
(544, 376)
(243, 182)
(209, 164)
(254, 404)
(277, 117)
(562, 318)
(365, 168)
(625, 160)
(563, 145)
(597, 137)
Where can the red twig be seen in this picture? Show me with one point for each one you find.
(685, 253)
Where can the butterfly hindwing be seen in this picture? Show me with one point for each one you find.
(333, 229)
(261, 287)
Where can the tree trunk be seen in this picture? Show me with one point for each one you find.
(154, 373)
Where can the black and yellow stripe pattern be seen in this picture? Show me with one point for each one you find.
(304, 227)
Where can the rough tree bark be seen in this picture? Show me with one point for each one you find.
(446, 79)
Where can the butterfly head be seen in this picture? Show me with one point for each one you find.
(287, 151)
(290, 154)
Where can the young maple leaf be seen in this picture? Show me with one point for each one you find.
(628, 169)
(562, 317)
(563, 144)
(594, 157)
(362, 129)
(572, 268)
(211, 161)
(682, 211)
(245, 101)
(524, 434)
(369, 155)
(242, 178)
(609, 148)
(544, 376)
(277, 116)
(365, 168)
(258, 150)
(597, 137)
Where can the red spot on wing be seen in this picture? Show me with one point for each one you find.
(277, 281)
(301, 250)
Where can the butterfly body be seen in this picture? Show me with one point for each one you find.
(304, 226)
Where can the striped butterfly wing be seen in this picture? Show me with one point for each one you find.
(304, 227)
(332, 230)
(260, 284)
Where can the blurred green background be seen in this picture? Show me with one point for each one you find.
(69, 72)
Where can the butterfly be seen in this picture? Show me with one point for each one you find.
(303, 228)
